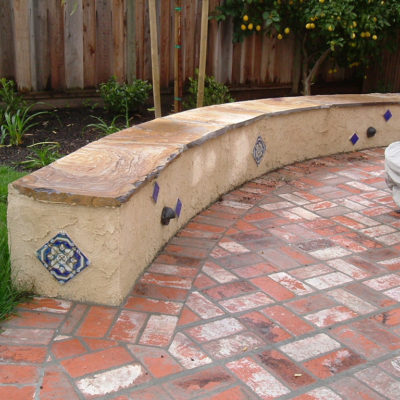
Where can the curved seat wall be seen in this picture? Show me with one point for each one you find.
(101, 196)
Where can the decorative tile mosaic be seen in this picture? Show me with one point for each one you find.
(354, 138)
(387, 115)
(156, 190)
(259, 150)
(178, 208)
(62, 258)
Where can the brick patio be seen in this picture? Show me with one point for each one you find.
(287, 288)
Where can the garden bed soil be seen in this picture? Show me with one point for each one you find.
(68, 127)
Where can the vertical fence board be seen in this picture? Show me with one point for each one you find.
(22, 43)
(118, 36)
(103, 40)
(166, 42)
(130, 40)
(7, 66)
(41, 44)
(47, 46)
(73, 44)
(89, 43)
(56, 51)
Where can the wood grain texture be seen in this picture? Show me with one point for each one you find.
(22, 43)
(89, 43)
(118, 38)
(45, 47)
(56, 50)
(73, 27)
(130, 40)
(103, 40)
(7, 66)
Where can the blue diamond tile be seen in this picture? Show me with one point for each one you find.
(387, 115)
(178, 208)
(156, 190)
(62, 258)
(259, 150)
(354, 139)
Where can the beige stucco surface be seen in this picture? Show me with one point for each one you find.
(101, 194)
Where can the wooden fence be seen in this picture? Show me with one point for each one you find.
(49, 45)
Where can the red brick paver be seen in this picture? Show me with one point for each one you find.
(287, 288)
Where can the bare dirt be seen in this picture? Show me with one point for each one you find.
(68, 127)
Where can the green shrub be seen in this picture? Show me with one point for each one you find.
(9, 97)
(214, 92)
(122, 99)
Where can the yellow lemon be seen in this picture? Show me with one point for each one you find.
(375, 19)
(250, 26)
(287, 30)
(279, 36)
(243, 27)
(353, 35)
(245, 18)
(374, 37)
(322, 1)
(312, 25)
(354, 24)
(258, 28)
(330, 28)
(308, 26)
(367, 34)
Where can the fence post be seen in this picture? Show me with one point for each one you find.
(154, 58)
(203, 53)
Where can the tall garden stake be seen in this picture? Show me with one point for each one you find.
(178, 58)
(154, 58)
(203, 53)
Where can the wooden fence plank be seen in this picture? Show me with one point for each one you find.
(22, 43)
(41, 44)
(73, 44)
(118, 37)
(7, 65)
(46, 48)
(130, 40)
(166, 42)
(103, 40)
(56, 51)
(89, 43)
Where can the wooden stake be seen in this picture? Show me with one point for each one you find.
(203, 53)
(178, 58)
(154, 58)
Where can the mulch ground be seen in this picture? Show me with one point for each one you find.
(68, 127)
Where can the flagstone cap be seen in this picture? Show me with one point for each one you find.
(107, 172)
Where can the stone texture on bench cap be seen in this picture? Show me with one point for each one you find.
(107, 172)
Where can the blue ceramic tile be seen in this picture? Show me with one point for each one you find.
(62, 258)
(387, 115)
(259, 150)
(354, 139)
(156, 190)
(178, 208)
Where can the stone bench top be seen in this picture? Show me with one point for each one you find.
(108, 171)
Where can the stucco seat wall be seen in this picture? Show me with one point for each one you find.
(101, 195)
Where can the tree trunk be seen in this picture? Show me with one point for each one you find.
(297, 67)
(308, 78)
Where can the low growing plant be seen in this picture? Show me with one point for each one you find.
(15, 125)
(43, 153)
(120, 99)
(10, 100)
(214, 92)
(9, 295)
(109, 128)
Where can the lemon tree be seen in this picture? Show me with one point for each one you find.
(350, 33)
